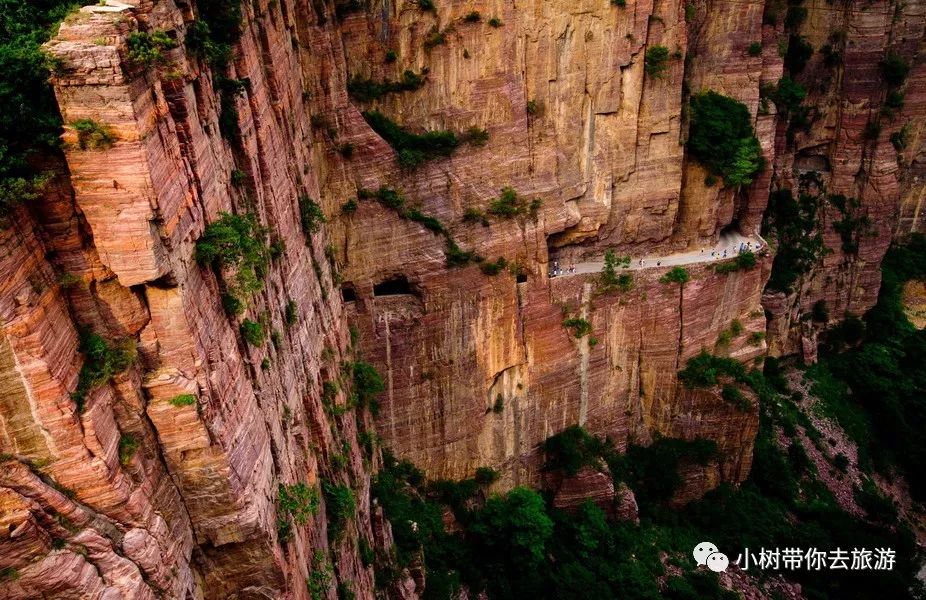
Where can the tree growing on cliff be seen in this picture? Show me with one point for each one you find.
(656, 61)
(29, 117)
(147, 49)
(609, 279)
(580, 327)
(311, 216)
(721, 137)
(676, 275)
(514, 528)
(102, 360)
(340, 505)
(252, 332)
(368, 384)
(794, 224)
(237, 243)
(894, 69)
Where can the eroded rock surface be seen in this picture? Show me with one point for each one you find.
(479, 369)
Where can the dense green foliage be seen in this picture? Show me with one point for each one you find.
(476, 136)
(517, 545)
(798, 53)
(656, 61)
(238, 243)
(457, 257)
(609, 279)
(340, 505)
(653, 471)
(886, 373)
(574, 448)
(794, 224)
(147, 49)
(368, 385)
(311, 216)
(211, 38)
(128, 445)
(319, 580)
(252, 332)
(296, 503)
(364, 89)
(676, 275)
(787, 95)
(412, 149)
(734, 396)
(743, 261)
(29, 118)
(183, 400)
(492, 268)
(102, 360)
(509, 205)
(92, 135)
(721, 138)
(894, 69)
(579, 327)
(704, 370)
(290, 313)
(853, 223)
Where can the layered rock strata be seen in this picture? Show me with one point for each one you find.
(132, 493)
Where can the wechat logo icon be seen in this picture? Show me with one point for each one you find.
(707, 553)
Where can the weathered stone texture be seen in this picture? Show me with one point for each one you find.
(845, 98)
(192, 510)
(479, 370)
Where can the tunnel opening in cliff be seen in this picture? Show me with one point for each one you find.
(809, 160)
(348, 293)
(394, 286)
(732, 229)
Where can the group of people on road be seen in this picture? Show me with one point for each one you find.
(555, 270)
(735, 249)
(716, 254)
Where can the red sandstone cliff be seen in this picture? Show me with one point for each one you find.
(193, 512)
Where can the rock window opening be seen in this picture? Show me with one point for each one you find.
(392, 287)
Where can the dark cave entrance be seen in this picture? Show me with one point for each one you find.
(393, 286)
(348, 293)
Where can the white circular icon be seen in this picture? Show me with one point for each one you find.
(718, 562)
(702, 551)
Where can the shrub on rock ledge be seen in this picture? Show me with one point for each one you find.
(721, 137)
(92, 135)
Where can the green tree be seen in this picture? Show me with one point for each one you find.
(236, 242)
(29, 119)
(514, 529)
(721, 137)
(656, 61)
(676, 275)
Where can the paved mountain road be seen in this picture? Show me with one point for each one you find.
(728, 241)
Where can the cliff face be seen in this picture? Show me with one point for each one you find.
(573, 121)
(602, 152)
(131, 492)
(851, 143)
(164, 482)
